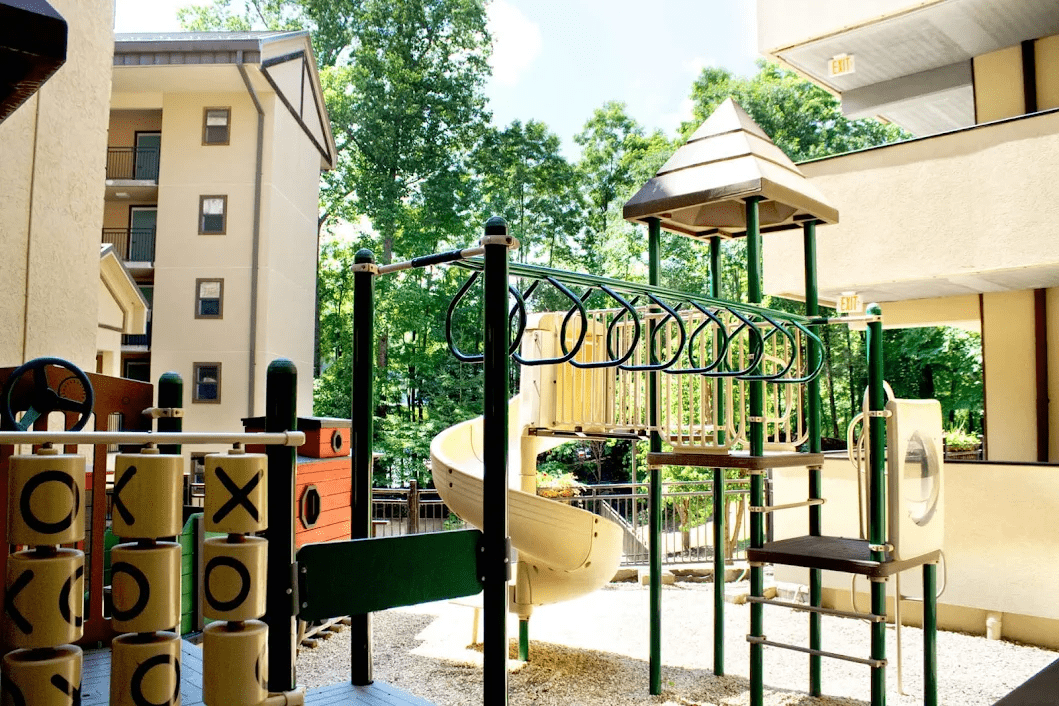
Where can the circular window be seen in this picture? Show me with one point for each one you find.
(921, 484)
(309, 507)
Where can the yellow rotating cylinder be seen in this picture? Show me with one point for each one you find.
(42, 677)
(45, 598)
(145, 669)
(235, 663)
(145, 584)
(46, 494)
(148, 495)
(233, 581)
(236, 493)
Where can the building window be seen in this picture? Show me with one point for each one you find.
(215, 126)
(213, 215)
(207, 383)
(209, 298)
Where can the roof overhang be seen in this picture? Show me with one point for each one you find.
(32, 48)
(702, 190)
(148, 66)
(123, 289)
(909, 50)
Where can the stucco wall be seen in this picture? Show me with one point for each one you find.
(1052, 326)
(998, 89)
(949, 209)
(124, 124)
(188, 170)
(1009, 361)
(1001, 550)
(290, 210)
(51, 199)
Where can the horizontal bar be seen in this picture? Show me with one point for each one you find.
(433, 259)
(786, 506)
(518, 269)
(873, 663)
(283, 438)
(856, 318)
(817, 609)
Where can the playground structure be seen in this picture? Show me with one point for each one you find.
(745, 370)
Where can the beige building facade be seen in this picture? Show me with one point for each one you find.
(215, 147)
(960, 227)
(51, 192)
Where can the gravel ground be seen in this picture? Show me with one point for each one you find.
(593, 652)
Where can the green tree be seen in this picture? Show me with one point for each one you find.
(521, 174)
(246, 16)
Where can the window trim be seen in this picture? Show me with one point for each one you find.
(195, 367)
(205, 114)
(202, 215)
(198, 298)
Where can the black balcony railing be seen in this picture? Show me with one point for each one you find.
(139, 163)
(138, 339)
(131, 244)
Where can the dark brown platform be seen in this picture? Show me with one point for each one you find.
(1042, 688)
(734, 460)
(95, 685)
(851, 556)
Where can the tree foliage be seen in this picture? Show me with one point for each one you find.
(420, 167)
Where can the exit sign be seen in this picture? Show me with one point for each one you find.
(849, 303)
(840, 65)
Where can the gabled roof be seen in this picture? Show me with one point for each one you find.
(702, 189)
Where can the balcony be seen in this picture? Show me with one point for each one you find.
(132, 173)
(133, 245)
(137, 342)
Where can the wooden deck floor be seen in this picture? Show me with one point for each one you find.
(95, 685)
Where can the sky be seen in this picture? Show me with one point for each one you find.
(556, 61)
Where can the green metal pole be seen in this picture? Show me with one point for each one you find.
(930, 634)
(281, 405)
(719, 558)
(363, 395)
(812, 394)
(654, 274)
(877, 497)
(496, 565)
(523, 640)
(757, 448)
(170, 396)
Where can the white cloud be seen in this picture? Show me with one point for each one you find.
(516, 42)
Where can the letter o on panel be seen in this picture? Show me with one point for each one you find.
(145, 586)
(233, 580)
(145, 670)
(46, 494)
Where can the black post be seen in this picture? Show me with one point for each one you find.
(170, 396)
(496, 567)
(281, 405)
(363, 395)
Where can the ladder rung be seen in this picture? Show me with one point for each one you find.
(788, 506)
(873, 663)
(817, 609)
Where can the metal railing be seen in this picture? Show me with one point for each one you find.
(139, 163)
(687, 528)
(137, 339)
(131, 244)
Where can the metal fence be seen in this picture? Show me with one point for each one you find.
(687, 523)
(131, 244)
(139, 163)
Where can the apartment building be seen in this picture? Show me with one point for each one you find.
(958, 227)
(214, 152)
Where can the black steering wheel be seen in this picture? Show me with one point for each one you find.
(42, 398)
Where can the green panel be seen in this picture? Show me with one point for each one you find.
(367, 575)
(110, 540)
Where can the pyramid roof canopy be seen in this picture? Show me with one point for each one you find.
(701, 190)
